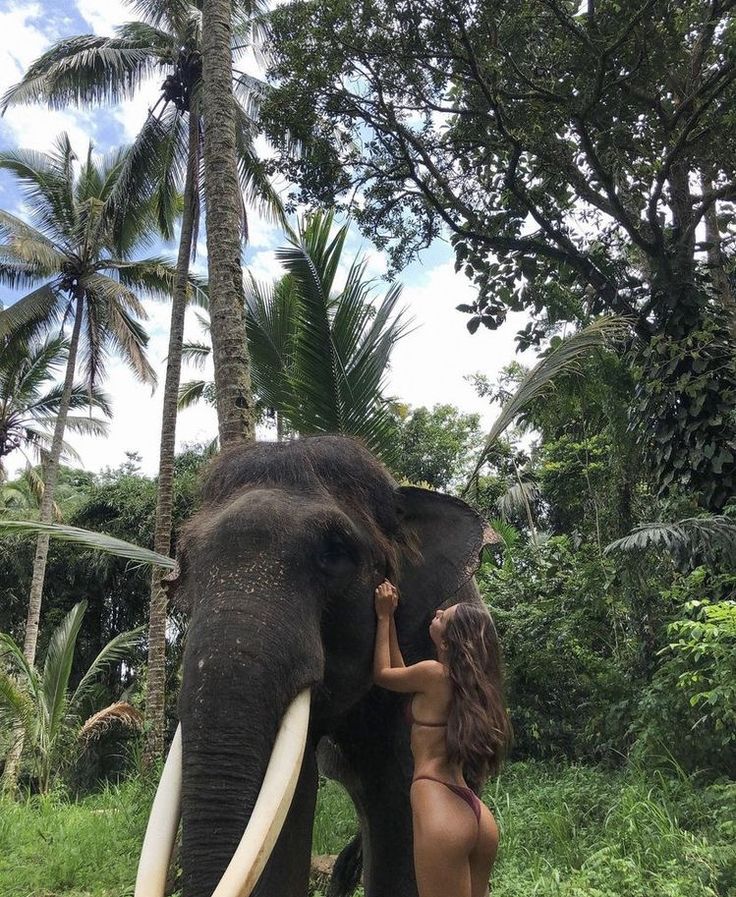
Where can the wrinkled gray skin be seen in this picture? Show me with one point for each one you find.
(278, 572)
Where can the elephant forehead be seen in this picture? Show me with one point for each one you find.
(271, 519)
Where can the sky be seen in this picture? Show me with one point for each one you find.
(428, 366)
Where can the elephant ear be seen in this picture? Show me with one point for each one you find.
(175, 586)
(444, 538)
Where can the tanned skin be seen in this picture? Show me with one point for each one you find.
(453, 854)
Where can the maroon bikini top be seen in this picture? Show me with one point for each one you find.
(411, 719)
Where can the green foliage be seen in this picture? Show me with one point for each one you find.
(29, 403)
(436, 447)
(562, 630)
(689, 708)
(320, 352)
(335, 821)
(552, 141)
(565, 832)
(577, 832)
(685, 410)
(49, 845)
(71, 251)
(706, 645)
(563, 358)
(575, 475)
(43, 704)
(91, 69)
(711, 538)
(122, 504)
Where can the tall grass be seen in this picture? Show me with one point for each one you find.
(50, 847)
(581, 832)
(566, 831)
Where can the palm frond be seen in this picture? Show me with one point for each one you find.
(26, 364)
(16, 231)
(16, 274)
(83, 70)
(81, 397)
(143, 34)
(85, 426)
(515, 499)
(130, 341)
(196, 354)
(110, 323)
(272, 323)
(34, 306)
(562, 358)
(115, 650)
(706, 536)
(312, 261)
(16, 708)
(171, 154)
(11, 653)
(87, 539)
(171, 15)
(156, 277)
(46, 181)
(255, 184)
(191, 392)
(510, 536)
(119, 713)
(58, 667)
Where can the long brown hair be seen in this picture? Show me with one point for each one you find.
(478, 727)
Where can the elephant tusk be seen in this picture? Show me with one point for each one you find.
(263, 829)
(158, 843)
(272, 805)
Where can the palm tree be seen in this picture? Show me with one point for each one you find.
(92, 69)
(28, 408)
(235, 407)
(79, 266)
(319, 355)
(41, 706)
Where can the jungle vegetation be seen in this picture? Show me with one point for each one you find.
(580, 161)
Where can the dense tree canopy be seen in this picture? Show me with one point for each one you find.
(554, 142)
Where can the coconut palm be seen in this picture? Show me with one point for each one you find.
(79, 267)
(169, 149)
(23, 495)
(40, 704)
(28, 407)
(319, 354)
(235, 407)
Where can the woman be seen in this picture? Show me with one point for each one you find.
(459, 729)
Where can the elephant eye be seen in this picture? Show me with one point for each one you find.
(336, 557)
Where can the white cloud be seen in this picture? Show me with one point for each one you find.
(22, 40)
(428, 365)
(104, 15)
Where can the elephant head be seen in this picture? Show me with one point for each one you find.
(277, 573)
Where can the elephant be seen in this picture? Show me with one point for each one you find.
(277, 573)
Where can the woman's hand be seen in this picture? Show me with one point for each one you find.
(387, 598)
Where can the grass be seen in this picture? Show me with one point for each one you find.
(50, 847)
(566, 831)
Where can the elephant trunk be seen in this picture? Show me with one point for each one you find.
(244, 665)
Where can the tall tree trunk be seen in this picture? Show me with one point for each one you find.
(50, 475)
(156, 681)
(235, 406)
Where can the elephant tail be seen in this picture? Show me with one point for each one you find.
(348, 869)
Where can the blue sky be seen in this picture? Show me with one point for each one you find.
(428, 366)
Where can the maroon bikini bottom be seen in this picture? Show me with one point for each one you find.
(462, 792)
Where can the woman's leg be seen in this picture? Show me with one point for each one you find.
(483, 855)
(445, 832)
